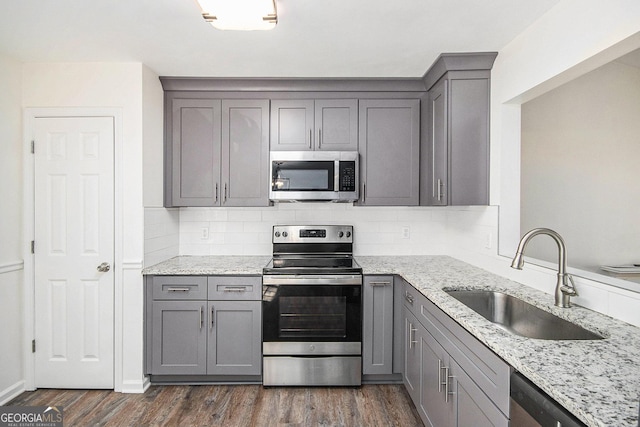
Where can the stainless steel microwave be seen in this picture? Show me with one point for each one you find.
(314, 176)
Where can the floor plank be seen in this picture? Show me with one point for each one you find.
(232, 405)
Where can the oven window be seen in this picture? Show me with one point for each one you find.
(303, 176)
(313, 317)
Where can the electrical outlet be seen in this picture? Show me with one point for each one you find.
(406, 232)
(204, 233)
(488, 240)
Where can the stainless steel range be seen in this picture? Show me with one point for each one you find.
(312, 308)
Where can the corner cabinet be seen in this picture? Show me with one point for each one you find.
(202, 328)
(320, 124)
(455, 152)
(216, 152)
(453, 379)
(389, 134)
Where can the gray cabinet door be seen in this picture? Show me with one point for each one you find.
(457, 142)
(412, 368)
(377, 323)
(179, 338)
(235, 338)
(336, 124)
(292, 124)
(438, 184)
(245, 152)
(469, 141)
(195, 152)
(473, 407)
(389, 133)
(437, 401)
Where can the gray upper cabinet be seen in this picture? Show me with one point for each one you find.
(218, 152)
(389, 133)
(195, 152)
(245, 152)
(455, 153)
(321, 124)
(377, 323)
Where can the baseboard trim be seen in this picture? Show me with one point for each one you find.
(12, 392)
(136, 386)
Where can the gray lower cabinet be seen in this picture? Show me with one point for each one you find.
(455, 154)
(179, 339)
(389, 134)
(453, 379)
(234, 339)
(216, 152)
(204, 327)
(378, 325)
(320, 124)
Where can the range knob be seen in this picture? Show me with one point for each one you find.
(277, 234)
(285, 234)
(340, 234)
(348, 234)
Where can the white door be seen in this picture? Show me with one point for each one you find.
(74, 235)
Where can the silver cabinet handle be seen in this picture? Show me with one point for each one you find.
(364, 192)
(201, 320)
(104, 267)
(216, 201)
(379, 284)
(412, 332)
(447, 391)
(172, 289)
(212, 318)
(319, 138)
(224, 200)
(310, 137)
(440, 383)
(439, 189)
(235, 289)
(408, 297)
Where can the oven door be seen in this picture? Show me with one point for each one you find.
(312, 315)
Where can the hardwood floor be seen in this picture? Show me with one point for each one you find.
(241, 405)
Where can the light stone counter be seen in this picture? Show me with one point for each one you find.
(210, 266)
(598, 381)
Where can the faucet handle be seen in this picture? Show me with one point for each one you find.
(569, 289)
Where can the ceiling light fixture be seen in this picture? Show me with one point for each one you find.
(240, 14)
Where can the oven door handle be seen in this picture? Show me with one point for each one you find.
(312, 279)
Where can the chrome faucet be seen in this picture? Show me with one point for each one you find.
(565, 288)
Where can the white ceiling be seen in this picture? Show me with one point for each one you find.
(313, 38)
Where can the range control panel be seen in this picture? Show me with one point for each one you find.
(312, 233)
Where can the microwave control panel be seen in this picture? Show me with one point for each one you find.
(347, 174)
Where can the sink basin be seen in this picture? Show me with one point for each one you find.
(519, 317)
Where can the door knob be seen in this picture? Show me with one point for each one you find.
(104, 267)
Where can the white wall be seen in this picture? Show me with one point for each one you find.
(120, 86)
(11, 265)
(573, 38)
(580, 150)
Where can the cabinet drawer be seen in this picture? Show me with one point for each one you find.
(179, 288)
(410, 298)
(234, 288)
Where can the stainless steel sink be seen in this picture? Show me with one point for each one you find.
(520, 317)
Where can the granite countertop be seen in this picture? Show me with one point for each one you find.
(598, 381)
(210, 266)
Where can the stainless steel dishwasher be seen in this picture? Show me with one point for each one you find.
(531, 407)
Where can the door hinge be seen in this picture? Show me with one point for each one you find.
(33, 346)
(33, 147)
(33, 246)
